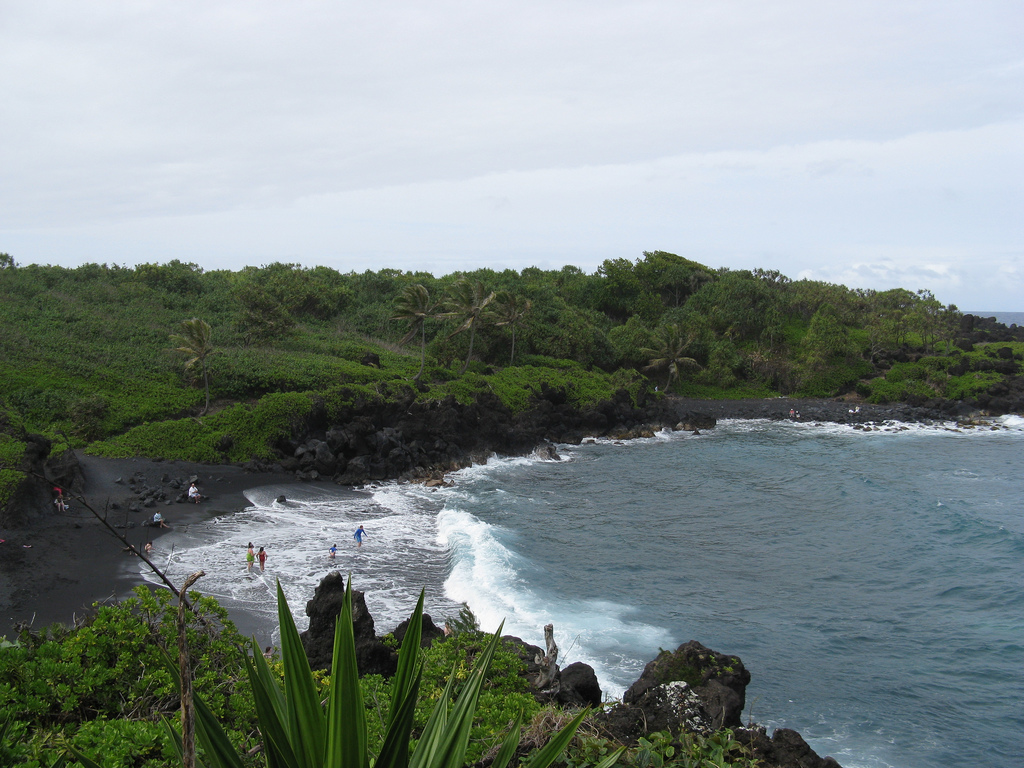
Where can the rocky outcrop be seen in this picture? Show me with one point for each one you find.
(719, 681)
(429, 632)
(409, 439)
(406, 439)
(672, 706)
(576, 685)
(697, 690)
(372, 656)
(785, 749)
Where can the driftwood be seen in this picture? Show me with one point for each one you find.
(546, 678)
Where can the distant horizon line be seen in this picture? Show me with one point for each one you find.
(1007, 317)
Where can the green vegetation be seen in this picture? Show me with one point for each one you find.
(195, 341)
(106, 693)
(102, 687)
(88, 359)
(298, 731)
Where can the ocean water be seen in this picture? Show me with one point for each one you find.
(1006, 318)
(872, 582)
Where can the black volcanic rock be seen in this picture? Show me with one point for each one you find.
(672, 706)
(372, 656)
(785, 749)
(578, 686)
(719, 681)
(428, 634)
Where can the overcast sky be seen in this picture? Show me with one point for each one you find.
(874, 143)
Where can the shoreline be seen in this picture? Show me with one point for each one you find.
(56, 568)
(53, 570)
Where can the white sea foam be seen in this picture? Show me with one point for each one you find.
(1011, 421)
(502, 585)
(811, 429)
(400, 556)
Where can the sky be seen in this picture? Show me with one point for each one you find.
(871, 143)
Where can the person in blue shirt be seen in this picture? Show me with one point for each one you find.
(358, 536)
(333, 550)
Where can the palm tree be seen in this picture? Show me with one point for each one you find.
(467, 299)
(414, 306)
(509, 309)
(669, 354)
(194, 340)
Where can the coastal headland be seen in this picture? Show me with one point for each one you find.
(54, 565)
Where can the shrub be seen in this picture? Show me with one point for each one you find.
(830, 380)
(970, 384)
(901, 372)
(253, 428)
(104, 683)
(882, 391)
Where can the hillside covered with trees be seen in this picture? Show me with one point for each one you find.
(168, 359)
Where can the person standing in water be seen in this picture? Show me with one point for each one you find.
(262, 557)
(250, 557)
(358, 536)
(332, 551)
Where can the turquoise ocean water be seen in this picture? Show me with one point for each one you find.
(872, 582)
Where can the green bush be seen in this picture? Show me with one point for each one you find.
(881, 391)
(128, 743)
(740, 391)
(253, 429)
(901, 372)
(104, 684)
(12, 450)
(504, 694)
(831, 380)
(970, 384)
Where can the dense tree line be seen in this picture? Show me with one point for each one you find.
(729, 317)
(87, 352)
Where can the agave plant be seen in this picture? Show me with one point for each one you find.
(299, 732)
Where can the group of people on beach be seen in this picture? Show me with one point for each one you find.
(252, 556)
(193, 495)
(358, 536)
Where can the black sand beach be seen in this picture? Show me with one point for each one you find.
(55, 569)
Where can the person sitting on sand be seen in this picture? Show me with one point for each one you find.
(193, 494)
(158, 520)
(149, 547)
(59, 501)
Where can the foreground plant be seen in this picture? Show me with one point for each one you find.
(299, 732)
